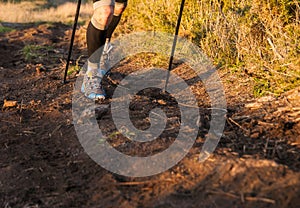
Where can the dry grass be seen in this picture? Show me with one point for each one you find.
(259, 39)
(28, 11)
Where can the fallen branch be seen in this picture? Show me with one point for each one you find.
(247, 198)
(10, 122)
(274, 48)
(234, 122)
(135, 183)
(271, 201)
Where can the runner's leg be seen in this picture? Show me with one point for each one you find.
(96, 37)
(97, 29)
(120, 6)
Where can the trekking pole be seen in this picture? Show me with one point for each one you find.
(174, 43)
(72, 40)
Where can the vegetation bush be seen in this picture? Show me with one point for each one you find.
(260, 38)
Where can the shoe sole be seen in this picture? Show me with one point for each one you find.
(93, 96)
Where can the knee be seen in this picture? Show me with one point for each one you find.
(119, 8)
(102, 16)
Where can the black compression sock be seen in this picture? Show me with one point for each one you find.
(112, 26)
(95, 39)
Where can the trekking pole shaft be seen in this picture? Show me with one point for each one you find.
(174, 43)
(72, 40)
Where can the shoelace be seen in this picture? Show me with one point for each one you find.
(106, 54)
(108, 48)
(95, 82)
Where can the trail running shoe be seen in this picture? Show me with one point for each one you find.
(91, 86)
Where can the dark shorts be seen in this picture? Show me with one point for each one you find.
(99, 3)
(120, 1)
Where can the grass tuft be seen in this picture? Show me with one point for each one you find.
(35, 53)
(4, 29)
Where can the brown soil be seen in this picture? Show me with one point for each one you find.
(42, 164)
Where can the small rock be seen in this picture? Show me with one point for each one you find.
(254, 135)
(9, 104)
(266, 99)
(161, 102)
(253, 105)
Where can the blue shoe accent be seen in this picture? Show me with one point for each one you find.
(94, 96)
(82, 88)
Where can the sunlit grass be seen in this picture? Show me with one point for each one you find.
(35, 11)
(261, 38)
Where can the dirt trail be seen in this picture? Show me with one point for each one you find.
(42, 164)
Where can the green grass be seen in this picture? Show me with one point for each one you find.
(4, 29)
(35, 52)
(73, 69)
